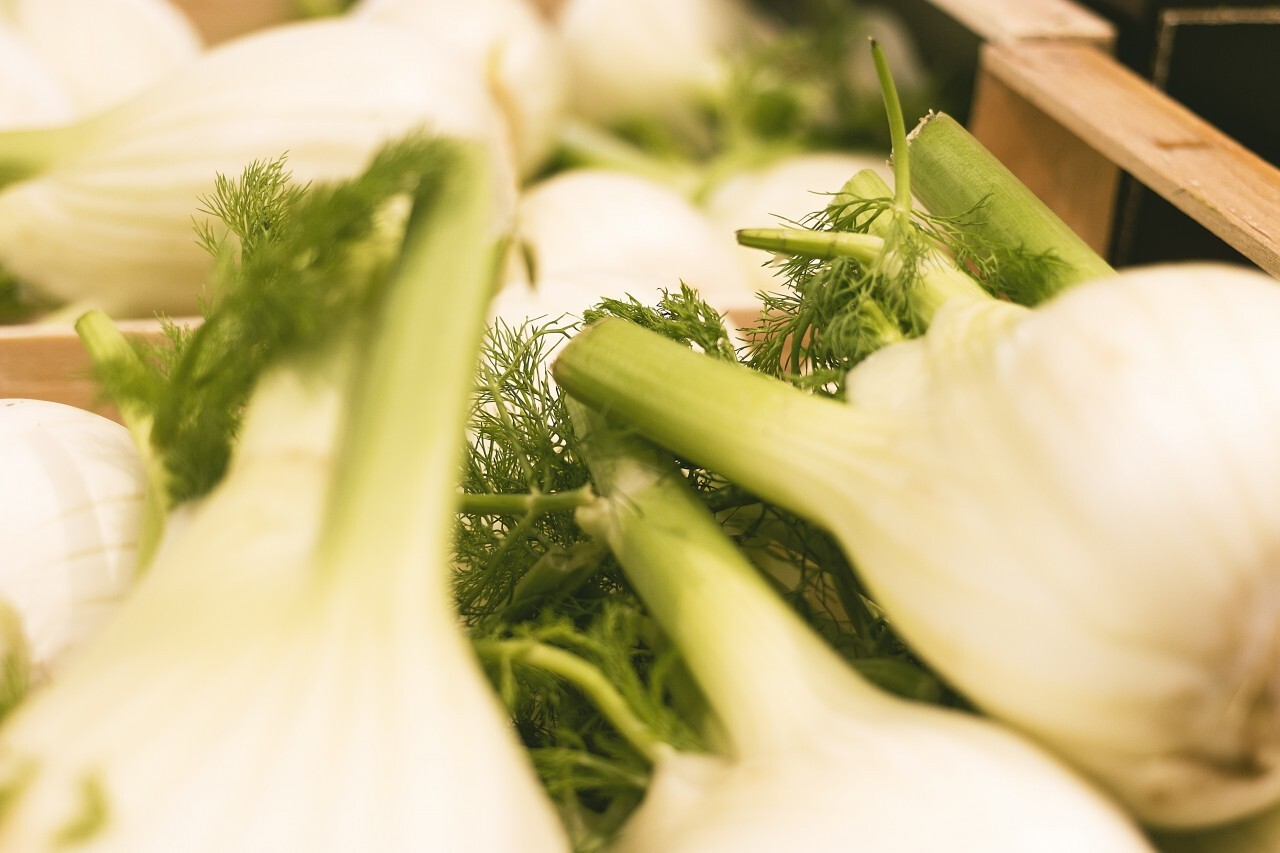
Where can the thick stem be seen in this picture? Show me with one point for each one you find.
(864, 248)
(106, 344)
(26, 154)
(897, 131)
(395, 483)
(867, 184)
(760, 667)
(798, 449)
(583, 145)
(532, 503)
(554, 574)
(955, 174)
(587, 678)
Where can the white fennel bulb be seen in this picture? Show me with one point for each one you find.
(808, 756)
(107, 50)
(290, 674)
(1071, 512)
(610, 223)
(31, 95)
(783, 192)
(69, 519)
(513, 48)
(654, 60)
(104, 218)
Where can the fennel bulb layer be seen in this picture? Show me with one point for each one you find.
(107, 224)
(31, 95)
(105, 51)
(69, 516)
(510, 45)
(649, 61)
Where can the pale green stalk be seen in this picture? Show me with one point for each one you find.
(27, 153)
(401, 442)
(105, 343)
(864, 248)
(759, 682)
(584, 145)
(587, 678)
(955, 175)
(681, 400)
(531, 503)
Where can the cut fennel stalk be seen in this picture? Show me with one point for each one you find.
(808, 755)
(955, 176)
(290, 674)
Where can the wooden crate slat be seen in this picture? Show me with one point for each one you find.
(1002, 21)
(1215, 180)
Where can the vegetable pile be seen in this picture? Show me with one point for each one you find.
(527, 483)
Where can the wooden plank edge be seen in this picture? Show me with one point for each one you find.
(1013, 21)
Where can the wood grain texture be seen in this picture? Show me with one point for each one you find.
(1006, 21)
(1215, 180)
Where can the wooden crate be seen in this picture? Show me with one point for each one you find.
(1048, 99)
(1068, 119)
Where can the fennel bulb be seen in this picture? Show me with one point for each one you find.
(650, 61)
(69, 516)
(103, 218)
(599, 222)
(809, 756)
(30, 94)
(513, 48)
(105, 51)
(1071, 512)
(289, 674)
